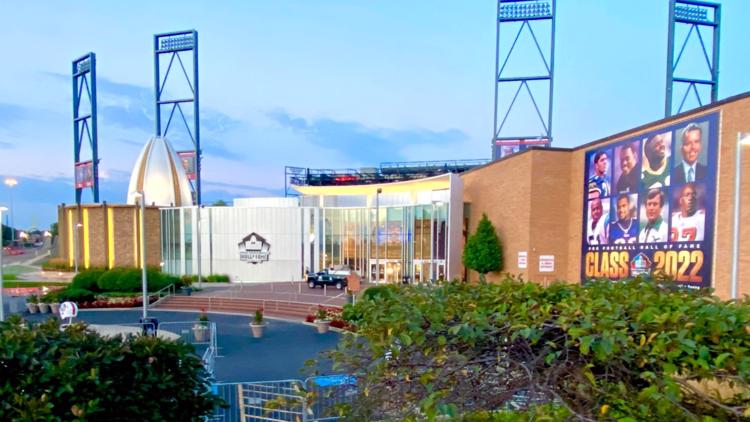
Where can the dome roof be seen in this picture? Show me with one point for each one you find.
(159, 174)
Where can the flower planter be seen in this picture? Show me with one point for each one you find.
(54, 308)
(32, 307)
(322, 325)
(257, 329)
(43, 308)
(200, 332)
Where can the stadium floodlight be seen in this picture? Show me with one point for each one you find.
(691, 13)
(524, 10)
(743, 140)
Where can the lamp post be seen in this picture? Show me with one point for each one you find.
(75, 245)
(741, 141)
(198, 246)
(11, 182)
(2, 306)
(144, 278)
(377, 234)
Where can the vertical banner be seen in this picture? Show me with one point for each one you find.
(84, 173)
(187, 158)
(648, 205)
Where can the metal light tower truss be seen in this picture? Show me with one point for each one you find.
(179, 46)
(695, 16)
(527, 12)
(84, 125)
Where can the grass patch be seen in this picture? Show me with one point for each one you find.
(16, 284)
(10, 277)
(18, 269)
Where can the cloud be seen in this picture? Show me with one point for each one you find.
(6, 145)
(361, 144)
(11, 113)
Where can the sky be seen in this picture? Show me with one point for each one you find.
(323, 84)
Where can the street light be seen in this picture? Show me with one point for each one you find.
(11, 182)
(2, 309)
(435, 233)
(75, 245)
(144, 277)
(742, 140)
(377, 234)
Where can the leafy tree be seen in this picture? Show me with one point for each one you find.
(49, 374)
(53, 229)
(220, 203)
(637, 350)
(483, 252)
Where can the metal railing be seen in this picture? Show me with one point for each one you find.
(313, 400)
(163, 293)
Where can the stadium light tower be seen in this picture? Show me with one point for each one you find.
(509, 14)
(11, 182)
(693, 15)
(179, 45)
(84, 125)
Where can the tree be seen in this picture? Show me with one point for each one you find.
(49, 374)
(483, 252)
(636, 350)
(220, 203)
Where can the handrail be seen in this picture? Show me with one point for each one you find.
(170, 292)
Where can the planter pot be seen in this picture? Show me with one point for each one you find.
(200, 332)
(257, 329)
(187, 291)
(43, 308)
(32, 307)
(54, 308)
(322, 326)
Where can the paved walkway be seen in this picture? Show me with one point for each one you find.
(280, 354)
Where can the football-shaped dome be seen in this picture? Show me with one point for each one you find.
(160, 175)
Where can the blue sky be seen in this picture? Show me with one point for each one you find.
(327, 84)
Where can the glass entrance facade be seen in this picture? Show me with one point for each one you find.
(386, 244)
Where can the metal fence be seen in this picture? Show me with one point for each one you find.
(314, 399)
(200, 335)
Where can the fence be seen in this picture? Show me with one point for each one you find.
(200, 335)
(312, 400)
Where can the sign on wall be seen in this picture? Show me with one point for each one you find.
(254, 249)
(648, 205)
(523, 258)
(546, 263)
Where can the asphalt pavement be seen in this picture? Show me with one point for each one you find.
(279, 354)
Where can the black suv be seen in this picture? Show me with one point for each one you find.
(324, 278)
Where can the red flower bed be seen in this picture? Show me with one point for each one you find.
(115, 302)
(334, 314)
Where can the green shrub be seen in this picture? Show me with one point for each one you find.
(57, 264)
(75, 294)
(382, 292)
(88, 279)
(10, 277)
(217, 278)
(49, 374)
(635, 350)
(109, 281)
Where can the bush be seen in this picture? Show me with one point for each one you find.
(57, 264)
(109, 281)
(49, 374)
(74, 294)
(636, 350)
(382, 292)
(217, 278)
(88, 279)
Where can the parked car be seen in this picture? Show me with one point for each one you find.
(10, 250)
(327, 278)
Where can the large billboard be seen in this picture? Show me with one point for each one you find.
(648, 205)
(506, 147)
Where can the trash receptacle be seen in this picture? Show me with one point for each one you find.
(149, 326)
(406, 279)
